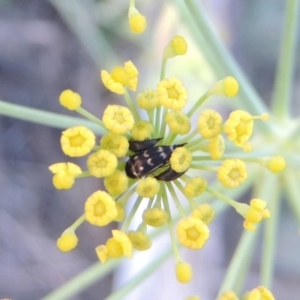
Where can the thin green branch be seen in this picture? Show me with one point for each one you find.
(45, 118)
(82, 281)
(270, 232)
(241, 256)
(219, 57)
(286, 62)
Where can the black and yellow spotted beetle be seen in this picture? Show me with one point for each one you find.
(148, 158)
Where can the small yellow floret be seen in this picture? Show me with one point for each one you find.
(155, 217)
(140, 241)
(100, 209)
(67, 242)
(256, 212)
(195, 187)
(118, 119)
(216, 147)
(239, 127)
(177, 46)
(142, 130)
(172, 94)
(77, 141)
(137, 23)
(260, 293)
(120, 78)
(228, 295)
(119, 245)
(102, 163)
(232, 173)
(276, 164)
(116, 183)
(178, 122)
(228, 87)
(70, 99)
(204, 212)
(102, 253)
(115, 143)
(181, 159)
(209, 123)
(192, 233)
(64, 174)
(148, 187)
(253, 213)
(148, 100)
(184, 272)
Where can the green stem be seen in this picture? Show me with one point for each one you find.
(220, 58)
(82, 281)
(175, 199)
(270, 233)
(46, 118)
(140, 277)
(239, 261)
(198, 103)
(291, 184)
(90, 116)
(131, 214)
(78, 222)
(170, 225)
(131, 106)
(286, 62)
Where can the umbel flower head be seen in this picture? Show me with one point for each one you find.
(156, 157)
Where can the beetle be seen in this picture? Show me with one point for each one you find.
(148, 158)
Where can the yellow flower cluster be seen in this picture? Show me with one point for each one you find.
(148, 155)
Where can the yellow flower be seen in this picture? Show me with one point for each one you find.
(155, 217)
(102, 163)
(216, 147)
(140, 241)
(147, 187)
(115, 143)
(228, 87)
(177, 46)
(255, 213)
(178, 122)
(195, 187)
(116, 183)
(228, 295)
(204, 212)
(64, 174)
(102, 253)
(181, 159)
(67, 242)
(148, 100)
(77, 141)
(209, 123)
(260, 293)
(232, 173)
(276, 164)
(172, 94)
(137, 23)
(119, 245)
(184, 272)
(142, 130)
(239, 127)
(118, 119)
(70, 100)
(192, 233)
(100, 208)
(120, 78)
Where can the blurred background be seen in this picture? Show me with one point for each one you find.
(49, 46)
